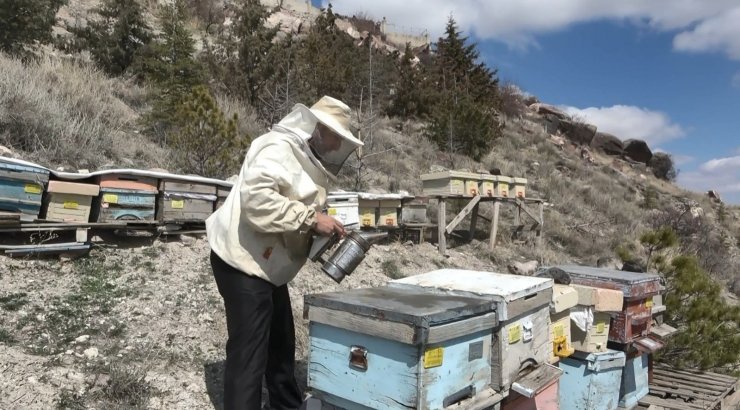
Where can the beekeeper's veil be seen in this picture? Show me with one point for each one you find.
(331, 144)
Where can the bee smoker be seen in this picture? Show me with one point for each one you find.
(348, 255)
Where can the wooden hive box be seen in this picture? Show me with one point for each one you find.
(488, 185)
(450, 183)
(518, 188)
(414, 210)
(344, 206)
(563, 299)
(522, 338)
(185, 201)
(388, 212)
(21, 188)
(70, 201)
(635, 319)
(128, 181)
(591, 381)
(502, 186)
(593, 337)
(221, 193)
(634, 385)
(399, 348)
(368, 212)
(118, 204)
(537, 390)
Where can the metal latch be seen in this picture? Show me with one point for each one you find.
(358, 357)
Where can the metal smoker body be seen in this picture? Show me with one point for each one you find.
(348, 255)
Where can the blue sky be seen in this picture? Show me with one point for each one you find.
(667, 71)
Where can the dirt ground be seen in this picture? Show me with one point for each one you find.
(140, 323)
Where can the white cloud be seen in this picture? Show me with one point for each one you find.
(717, 33)
(722, 174)
(709, 23)
(626, 121)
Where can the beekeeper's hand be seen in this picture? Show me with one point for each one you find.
(326, 226)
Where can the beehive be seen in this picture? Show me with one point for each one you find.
(368, 212)
(118, 204)
(394, 348)
(131, 182)
(563, 299)
(537, 390)
(591, 381)
(184, 201)
(522, 304)
(502, 186)
(634, 385)
(388, 212)
(22, 187)
(472, 182)
(634, 320)
(414, 211)
(344, 207)
(518, 187)
(452, 183)
(70, 201)
(487, 185)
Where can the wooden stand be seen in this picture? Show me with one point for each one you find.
(472, 207)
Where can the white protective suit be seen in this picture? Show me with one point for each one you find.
(263, 226)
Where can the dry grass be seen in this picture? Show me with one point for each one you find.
(62, 112)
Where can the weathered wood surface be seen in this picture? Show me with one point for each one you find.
(459, 328)
(494, 225)
(510, 356)
(442, 222)
(463, 213)
(190, 187)
(682, 389)
(399, 332)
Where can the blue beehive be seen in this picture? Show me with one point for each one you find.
(392, 348)
(118, 204)
(21, 187)
(591, 381)
(634, 381)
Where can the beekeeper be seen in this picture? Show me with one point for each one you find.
(260, 238)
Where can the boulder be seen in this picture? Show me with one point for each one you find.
(634, 266)
(637, 150)
(714, 195)
(523, 268)
(545, 109)
(578, 132)
(607, 143)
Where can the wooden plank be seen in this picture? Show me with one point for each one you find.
(494, 225)
(542, 224)
(520, 204)
(441, 222)
(465, 211)
(693, 377)
(668, 404)
(362, 324)
(528, 303)
(687, 385)
(473, 220)
(27, 176)
(462, 327)
(697, 373)
(682, 393)
(185, 186)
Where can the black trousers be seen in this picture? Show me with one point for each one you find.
(261, 341)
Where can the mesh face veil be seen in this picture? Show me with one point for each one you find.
(331, 149)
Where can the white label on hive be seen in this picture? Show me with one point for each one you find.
(433, 357)
(527, 326)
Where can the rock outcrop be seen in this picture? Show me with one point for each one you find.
(638, 151)
(608, 144)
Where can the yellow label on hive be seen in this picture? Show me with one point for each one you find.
(178, 203)
(110, 198)
(515, 333)
(456, 182)
(433, 357)
(558, 330)
(649, 302)
(32, 189)
(600, 327)
(71, 205)
(332, 211)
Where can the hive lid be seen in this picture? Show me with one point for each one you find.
(516, 180)
(601, 356)
(632, 284)
(536, 380)
(564, 297)
(494, 286)
(415, 306)
(448, 174)
(73, 188)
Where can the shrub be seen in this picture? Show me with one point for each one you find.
(662, 166)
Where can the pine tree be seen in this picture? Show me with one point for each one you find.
(406, 100)
(169, 64)
(24, 23)
(465, 117)
(115, 39)
(206, 143)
